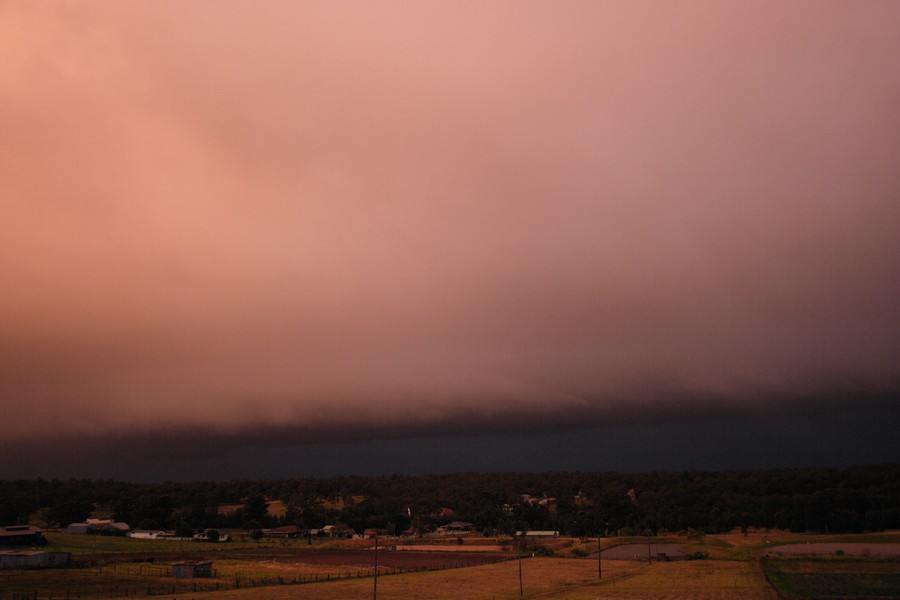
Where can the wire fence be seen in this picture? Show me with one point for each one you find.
(142, 580)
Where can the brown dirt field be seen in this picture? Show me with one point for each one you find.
(640, 551)
(406, 559)
(447, 548)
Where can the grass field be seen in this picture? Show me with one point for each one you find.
(572, 579)
(340, 570)
(835, 577)
(542, 578)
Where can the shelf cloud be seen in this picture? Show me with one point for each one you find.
(349, 221)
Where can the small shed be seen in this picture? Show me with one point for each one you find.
(192, 568)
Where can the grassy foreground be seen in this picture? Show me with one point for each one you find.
(834, 577)
(732, 570)
(542, 578)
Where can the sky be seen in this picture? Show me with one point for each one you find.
(310, 238)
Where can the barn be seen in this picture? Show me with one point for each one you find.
(20, 535)
(33, 559)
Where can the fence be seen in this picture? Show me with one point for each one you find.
(151, 587)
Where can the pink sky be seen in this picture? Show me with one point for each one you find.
(232, 215)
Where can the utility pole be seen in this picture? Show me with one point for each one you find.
(375, 586)
(519, 553)
(599, 556)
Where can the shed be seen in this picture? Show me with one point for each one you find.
(12, 535)
(537, 534)
(192, 568)
(32, 559)
(77, 528)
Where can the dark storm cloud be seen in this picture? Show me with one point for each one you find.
(333, 222)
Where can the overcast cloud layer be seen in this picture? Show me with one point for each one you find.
(355, 218)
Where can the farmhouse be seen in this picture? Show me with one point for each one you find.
(20, 535)
(374, 533)
(338, 531)
(144, 534)
(32, 559)
(286, 531)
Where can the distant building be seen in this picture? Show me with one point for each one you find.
(286, 531)
(20, 535)
(537, 534)
(98, 527)
(457, 526)
(144, 534)
(33, 559)
(336, 531)
(204, 537)
(372, 533)
(192, 568)
(77, 528)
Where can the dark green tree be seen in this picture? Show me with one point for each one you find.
(256, 508)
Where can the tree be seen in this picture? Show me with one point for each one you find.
(74, 510)
(148, 524)
(256, 508)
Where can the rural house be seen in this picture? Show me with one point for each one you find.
(285, 531)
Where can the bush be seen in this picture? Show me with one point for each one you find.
(695, 534)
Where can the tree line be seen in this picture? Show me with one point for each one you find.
(822, 500)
